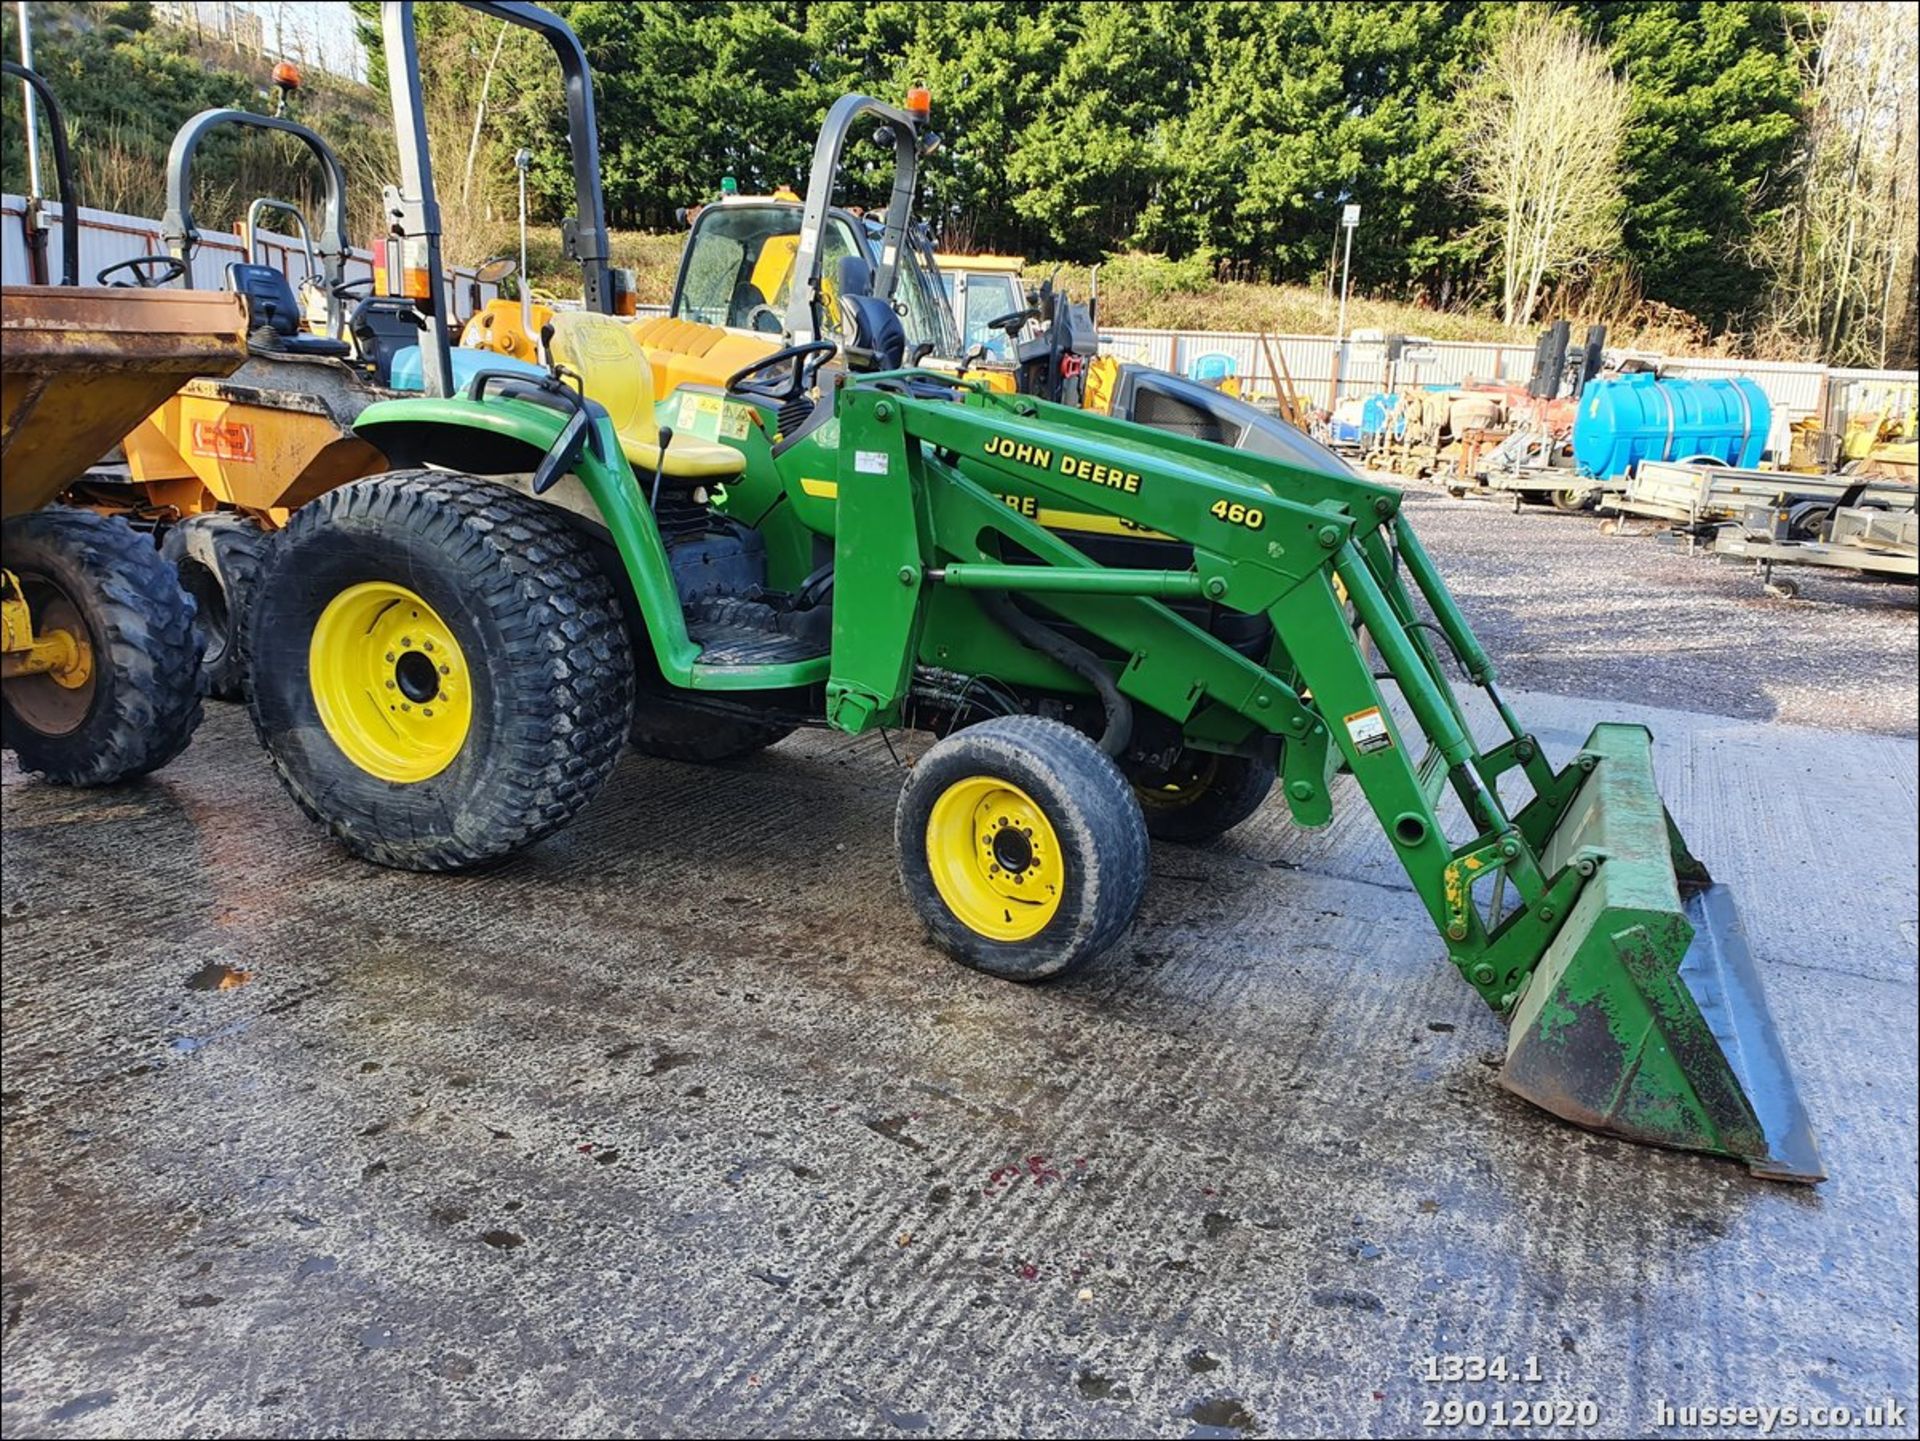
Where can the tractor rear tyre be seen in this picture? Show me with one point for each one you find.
(1202, 796)
(219, 559)
(1021, 847)
(438, 669)
(127, 704)
(676, 732)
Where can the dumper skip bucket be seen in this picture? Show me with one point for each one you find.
(1645, 1018)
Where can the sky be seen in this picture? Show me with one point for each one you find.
(321, 31)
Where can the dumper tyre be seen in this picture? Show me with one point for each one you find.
(671, 731)
(438, 669)
(1022, 847)
(219, 559)
(138, 705)
(1202, 796)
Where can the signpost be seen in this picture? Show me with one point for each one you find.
(1350, 222)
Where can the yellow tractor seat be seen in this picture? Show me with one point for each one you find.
(614, 371)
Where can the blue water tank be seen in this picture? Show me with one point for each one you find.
(1626, 419)
(409, 373)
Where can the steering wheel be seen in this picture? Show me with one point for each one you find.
(1012, 320)
(350, 289)
(166, 268)
(796, 381)
(754, 317)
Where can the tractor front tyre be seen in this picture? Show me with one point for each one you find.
(122, 701)
(1201, 796)
(219, 559)
(439, 669)
(1021, 847)
(671, 731)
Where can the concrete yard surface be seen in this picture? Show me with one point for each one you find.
(676, 1124)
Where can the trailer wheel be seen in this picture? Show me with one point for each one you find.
(675, 732)
(218, 558)
(1021, 847)
(1201, 796)
(1572, 501)
(438, 669)
(125, 703)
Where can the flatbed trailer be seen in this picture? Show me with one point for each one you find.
(1525, 466)
(1697, 497)
(1869, 540)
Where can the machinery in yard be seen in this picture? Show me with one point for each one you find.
(983, 289)
(97, 639)
(759, 272)
(220, 465)
(447, 659)
(1697, 497)
(1871, 539)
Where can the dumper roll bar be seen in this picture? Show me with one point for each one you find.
(256, 211)
(413, 210)
(69, 195)
(803, 302)
(182, 236)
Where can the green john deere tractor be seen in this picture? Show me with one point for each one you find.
(1112, 630)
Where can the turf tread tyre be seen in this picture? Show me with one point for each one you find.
(1095, 816)
(545, 643)
(1236, 789)
(226, 552)
(671, 731)
(146, 652)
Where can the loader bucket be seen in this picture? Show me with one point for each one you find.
(1645, 1018)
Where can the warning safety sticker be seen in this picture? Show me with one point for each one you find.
(1368, 730)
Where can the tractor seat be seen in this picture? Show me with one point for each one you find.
(614, 371)
(382, 326)
(274, 318)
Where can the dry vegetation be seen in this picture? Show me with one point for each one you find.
(1150, 292)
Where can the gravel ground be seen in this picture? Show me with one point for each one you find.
(1565, 609)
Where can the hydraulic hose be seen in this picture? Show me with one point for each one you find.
(1075, 657)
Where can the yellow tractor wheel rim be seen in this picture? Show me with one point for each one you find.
(995, 859)
(390, 682)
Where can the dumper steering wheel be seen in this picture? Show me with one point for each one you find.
(796, 381)
(166, 269)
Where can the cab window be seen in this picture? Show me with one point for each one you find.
(988, 298)
(739, 266)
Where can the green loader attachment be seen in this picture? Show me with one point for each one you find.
(1633, 1002)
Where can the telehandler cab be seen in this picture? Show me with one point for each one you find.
(446, 660)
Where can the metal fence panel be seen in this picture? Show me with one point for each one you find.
(107, 238)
